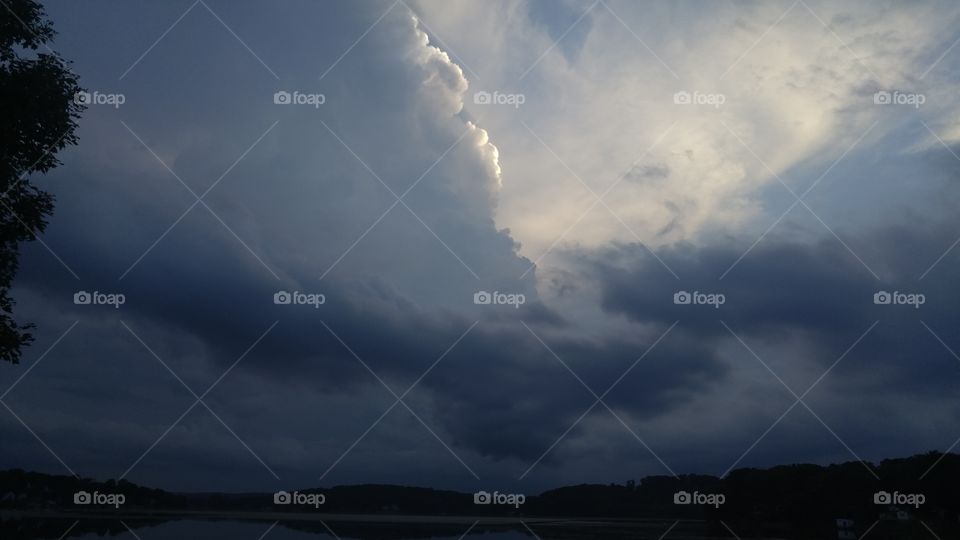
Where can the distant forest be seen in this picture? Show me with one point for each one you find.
(788, 497)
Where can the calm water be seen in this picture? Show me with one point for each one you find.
(30, 529)
(91, 529)
(232, 530)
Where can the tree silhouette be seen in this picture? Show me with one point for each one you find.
(39, 112)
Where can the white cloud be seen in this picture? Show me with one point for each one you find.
(798, 99)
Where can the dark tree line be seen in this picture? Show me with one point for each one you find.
(788, 501)
(38, 118)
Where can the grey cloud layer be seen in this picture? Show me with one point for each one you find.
(400, 298)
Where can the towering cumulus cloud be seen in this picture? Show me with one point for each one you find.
(368, 221)
(378, 196)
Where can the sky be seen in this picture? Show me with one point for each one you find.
(524, 244)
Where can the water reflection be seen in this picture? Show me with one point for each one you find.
(92, 529)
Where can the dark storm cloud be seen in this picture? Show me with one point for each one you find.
(201, 296)
(403, 295)
(817, 290)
